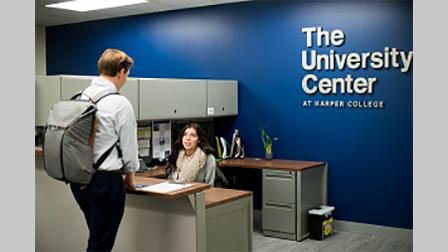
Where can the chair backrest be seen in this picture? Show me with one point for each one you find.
(220, 180)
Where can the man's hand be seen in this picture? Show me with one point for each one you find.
(129, 181)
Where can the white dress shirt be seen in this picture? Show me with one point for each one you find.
(116, 120)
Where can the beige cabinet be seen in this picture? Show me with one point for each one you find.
(72, 84)
(47, 93)
(151, 98)
(279, 204)
(130, 91)
(287, 197)
(171, 98)
(222, 98)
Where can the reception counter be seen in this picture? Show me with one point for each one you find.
(196, 218)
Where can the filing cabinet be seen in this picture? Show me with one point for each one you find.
(289, 189)
(287, 197)
(279, 204)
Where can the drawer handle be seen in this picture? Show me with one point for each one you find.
(268, 176)
(279, 205)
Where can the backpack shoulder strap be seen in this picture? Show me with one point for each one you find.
(77, 95)
(103, 157)
(103, 94)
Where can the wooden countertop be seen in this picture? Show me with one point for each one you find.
(196, 187)
(38, 151)
(216, 196)
(159, 172)
(275, 164)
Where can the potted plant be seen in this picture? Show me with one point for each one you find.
(267, 143)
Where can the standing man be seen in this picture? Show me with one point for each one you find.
(103, 200)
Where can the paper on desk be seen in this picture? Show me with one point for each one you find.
(164, 187)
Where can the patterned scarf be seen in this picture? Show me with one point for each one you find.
(188, 166)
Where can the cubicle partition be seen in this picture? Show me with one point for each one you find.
(149, 223)
(190, 219)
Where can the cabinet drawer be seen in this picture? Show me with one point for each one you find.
(279, 186)
(279, 217)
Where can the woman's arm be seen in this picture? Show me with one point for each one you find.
(207, 173)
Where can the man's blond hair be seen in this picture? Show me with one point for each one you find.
(112, 61)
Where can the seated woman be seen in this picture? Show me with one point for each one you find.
(192, 159)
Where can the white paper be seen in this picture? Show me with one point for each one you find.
(144, 152)
(164, 187)
(144, 143)
(161, 140)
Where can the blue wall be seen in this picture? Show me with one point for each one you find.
(259, 43)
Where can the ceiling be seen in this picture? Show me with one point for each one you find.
(51, 16)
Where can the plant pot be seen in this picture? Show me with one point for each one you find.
(268, 155)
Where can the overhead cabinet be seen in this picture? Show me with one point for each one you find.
(151, 98)
(130, 91)
(222, 97)
(47, 93)
(70, 85)
(187, 98)
(172, 98)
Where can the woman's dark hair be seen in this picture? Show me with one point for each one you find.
(177, 147)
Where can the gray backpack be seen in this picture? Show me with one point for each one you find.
(69, 137)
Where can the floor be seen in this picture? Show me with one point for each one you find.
(338, 241)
